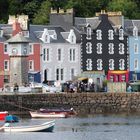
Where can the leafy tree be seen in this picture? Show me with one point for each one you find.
(128, 7)
(31, 8)
(3, 10)
(42, 16)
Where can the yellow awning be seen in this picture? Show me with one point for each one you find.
(82, 78)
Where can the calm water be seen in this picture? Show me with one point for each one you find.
(98, 127)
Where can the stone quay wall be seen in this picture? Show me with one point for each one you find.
(83, 103)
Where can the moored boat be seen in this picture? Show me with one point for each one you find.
(45, 127)
(37, 114)
(3, 114)
(68, 112)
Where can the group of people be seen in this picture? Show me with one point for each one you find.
(79, 87)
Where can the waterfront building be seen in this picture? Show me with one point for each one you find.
(133, 29)
(60, 53)
(104, 47)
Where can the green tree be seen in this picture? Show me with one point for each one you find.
(3, 10)
(31, 9)
(129, 8)
(42, 16)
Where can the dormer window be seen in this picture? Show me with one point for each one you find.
(46, 38)
(72, 37)
(110, 35)
(121, 33)
(99, 35)
(88, 32)
(135, 32)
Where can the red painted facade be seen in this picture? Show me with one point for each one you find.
(118, 76)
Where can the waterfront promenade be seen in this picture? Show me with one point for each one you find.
(83, 103)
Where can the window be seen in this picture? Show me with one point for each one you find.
(31, 65)
(25, 33)
(136, 64)
(99, 48)
(121, 48)
(111, 48)
(135, 32)
(72, 54)
(136, 51)
(48, 56)
(72, 73)
(121, 64)
(99, 64)
(59, 55)
(31, 48)
(44, 54)
(121, 34)
(111, 64)
(123, 78)
(89, 64)
(88, 32)
(134, 77)
(46, 38)
(110, 35)
(59, 74)
(6, 65)
(5, 48)
(88, 48)
(6, 79)
(99, 35)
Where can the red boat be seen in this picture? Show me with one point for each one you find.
(3, 115)
(67, 112)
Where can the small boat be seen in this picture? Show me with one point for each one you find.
(37, 114)
(3, 114)
(68, 112)
(45, 127)
(11, 118)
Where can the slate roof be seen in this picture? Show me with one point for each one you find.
(38, 30)
(129, 25)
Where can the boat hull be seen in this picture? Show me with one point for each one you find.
(47, 115)
(3, 115)
(46, 127)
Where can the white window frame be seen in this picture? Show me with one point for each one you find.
(60, 74)
(121, 34)
(89, 64)
(111, 64)
(99, 34)
(111, 48)
(110, 34)
(121, 64)
(135, 32)
(121, 48)
(99, 64)
(136, 64)
(31, 65)
(6, 65)
(72, 54)
(88, 33)
(88, 48)
(99, 48)
(59, 54)
(136, 48)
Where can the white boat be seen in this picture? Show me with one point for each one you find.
(45, 127)
(47, 115)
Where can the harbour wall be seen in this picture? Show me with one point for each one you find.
(83, 103)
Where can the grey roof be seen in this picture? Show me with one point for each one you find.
(38, 30)
(130, 24)
(18, 38)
